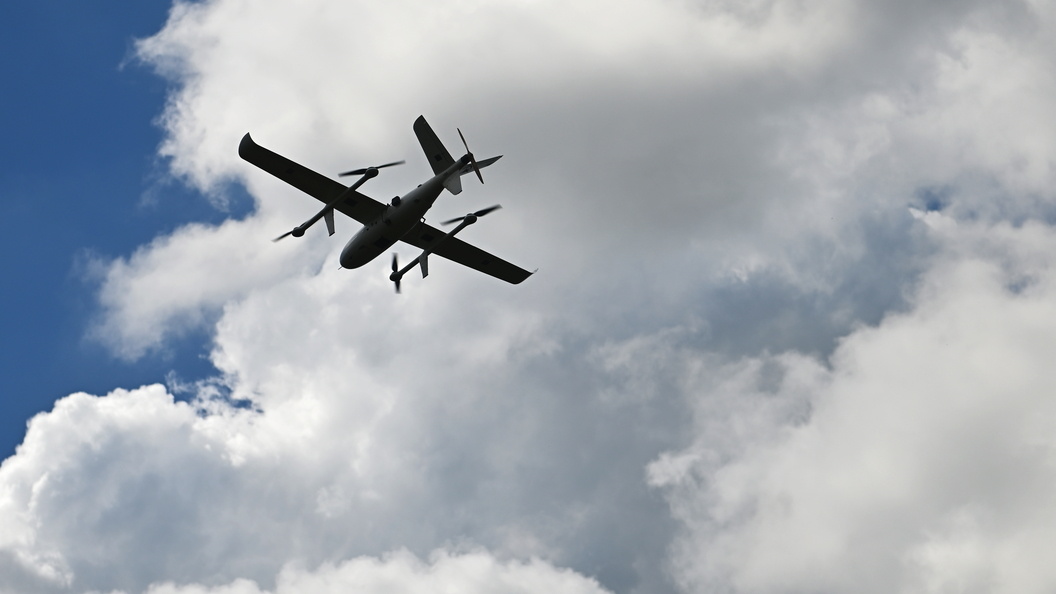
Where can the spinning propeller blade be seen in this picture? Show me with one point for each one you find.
(364, 169)
(472, 161)
(395, 269)
(297, 231)
(473, 215)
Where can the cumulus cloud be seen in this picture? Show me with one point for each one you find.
(403, 572)
(788, 332)
(632, 136)
(151, 490)
(180, 282)
(919, 461)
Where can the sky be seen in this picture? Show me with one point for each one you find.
(791, 330)
(83, 181)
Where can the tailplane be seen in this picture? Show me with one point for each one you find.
(480, 165)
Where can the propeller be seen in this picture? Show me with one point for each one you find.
(472, 161)
(327, 212)
(395, 269)
(472, 217)
(296, 232)
(365, 169)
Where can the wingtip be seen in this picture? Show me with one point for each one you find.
(246, 144)
(526, 277)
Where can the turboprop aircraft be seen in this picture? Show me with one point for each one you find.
(403, 219)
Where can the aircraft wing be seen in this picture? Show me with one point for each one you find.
(358, 206)
(426, 237)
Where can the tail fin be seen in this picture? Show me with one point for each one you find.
(435, 151)
(439, 158)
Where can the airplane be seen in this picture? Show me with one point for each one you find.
(403, 219)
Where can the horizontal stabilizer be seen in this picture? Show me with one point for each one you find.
(468, 168)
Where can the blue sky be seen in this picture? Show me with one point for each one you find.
(80, 145)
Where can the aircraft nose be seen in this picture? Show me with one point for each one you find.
(346, 256)
(346, 259)
(351, 255)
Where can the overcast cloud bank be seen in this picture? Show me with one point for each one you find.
(791, 328)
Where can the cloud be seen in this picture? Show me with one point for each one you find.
(342, 452)
(403, 572)
(134, 488)
(179, 282)
(784, 335)
(920, 460)
(749, 140)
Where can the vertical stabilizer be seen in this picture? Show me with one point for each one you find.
(439, 158)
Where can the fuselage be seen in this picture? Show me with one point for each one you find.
(399, 217)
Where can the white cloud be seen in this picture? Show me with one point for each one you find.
(133, 488)
(632, 136)
(734, 311)
(476, 573)
(925, 463)
(179, 282)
